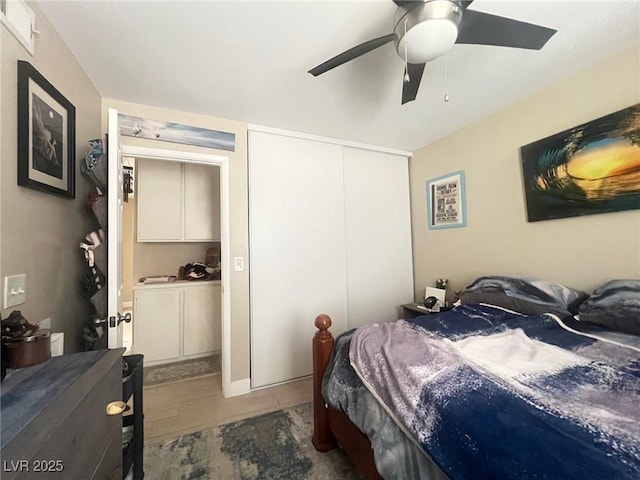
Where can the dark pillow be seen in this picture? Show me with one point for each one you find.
(616, 305)
(530, 297)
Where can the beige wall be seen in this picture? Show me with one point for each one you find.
(40, 232)
(581, 252)
(239, 216)
(151, 258)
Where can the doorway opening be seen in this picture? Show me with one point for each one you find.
(175, 250)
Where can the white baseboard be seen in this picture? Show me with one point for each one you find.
(239, 387)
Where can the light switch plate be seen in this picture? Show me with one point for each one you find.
(238, 264)
(15, 290)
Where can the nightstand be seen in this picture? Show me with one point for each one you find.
(411, 310)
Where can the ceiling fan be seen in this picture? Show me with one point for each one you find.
(426, 29)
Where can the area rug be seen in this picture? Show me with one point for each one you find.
(181, 370)
(274, 446)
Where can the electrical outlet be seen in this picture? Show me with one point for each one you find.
(15, 290)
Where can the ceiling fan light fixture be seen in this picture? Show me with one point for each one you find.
(427, 30)
(428, 40)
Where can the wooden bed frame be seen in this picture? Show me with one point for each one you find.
(331, 427)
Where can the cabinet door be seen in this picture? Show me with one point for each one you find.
(157, 317)
(202, 319)
(159, 201)
(201, 202)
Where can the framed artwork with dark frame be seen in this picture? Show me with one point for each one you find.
(46, 135)
(446, 202)
(588, 169)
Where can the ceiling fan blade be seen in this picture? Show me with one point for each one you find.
(410, 88)
(480, 28)
(465, 4)
(352, 53)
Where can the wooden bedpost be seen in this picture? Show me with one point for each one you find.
(322, 438)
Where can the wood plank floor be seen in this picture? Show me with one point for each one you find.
(187, 406)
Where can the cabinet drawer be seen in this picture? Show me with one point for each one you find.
(107, 469)
(89, 432)
(74, 433)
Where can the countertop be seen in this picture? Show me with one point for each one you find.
(175, 284)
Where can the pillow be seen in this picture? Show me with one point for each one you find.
(531, 297)
(616, 305)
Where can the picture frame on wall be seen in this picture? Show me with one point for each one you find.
(46, 135)
(589, 169)
(446, 202)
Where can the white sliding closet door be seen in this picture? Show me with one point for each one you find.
(297, 248)
(378, 235)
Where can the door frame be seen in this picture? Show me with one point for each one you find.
(222, 162)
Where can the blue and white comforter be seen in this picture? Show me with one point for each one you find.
(489, 393)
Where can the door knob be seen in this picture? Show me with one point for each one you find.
(116, 408)
(98, 322)
(121, 318)
(124, 318)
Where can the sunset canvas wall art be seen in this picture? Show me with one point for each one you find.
(592, 168)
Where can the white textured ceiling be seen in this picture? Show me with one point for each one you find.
(248, 61)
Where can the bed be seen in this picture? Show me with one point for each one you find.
(485, 391)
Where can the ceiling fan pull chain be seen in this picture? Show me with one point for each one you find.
(446, 80)
(406, 54)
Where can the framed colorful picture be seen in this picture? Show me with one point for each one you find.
(46, 135)
(588, 169)
(446, 203)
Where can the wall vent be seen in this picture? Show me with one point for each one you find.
(19, 20)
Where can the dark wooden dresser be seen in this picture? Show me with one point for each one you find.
(54, 422)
